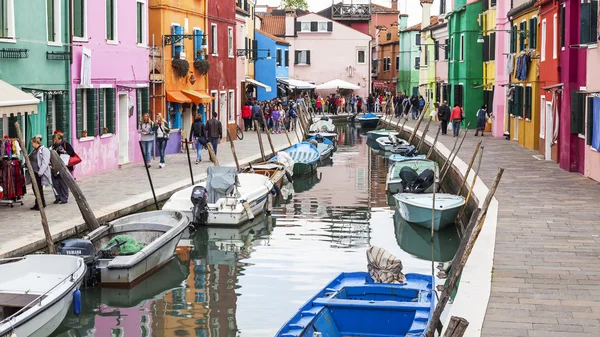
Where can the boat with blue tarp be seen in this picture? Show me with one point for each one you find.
(306, 158)
(368, 120)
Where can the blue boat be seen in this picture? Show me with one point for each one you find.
(368, 120)
(305, 156)
(354, 305)
(398, 157)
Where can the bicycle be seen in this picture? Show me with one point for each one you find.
(239, 132)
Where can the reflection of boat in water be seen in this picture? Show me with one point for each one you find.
(415, 240)
(303, 184)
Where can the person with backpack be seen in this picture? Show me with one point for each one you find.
(456, 117)
(482, 116)
(214, 131)
(444, 116)
(198, 133)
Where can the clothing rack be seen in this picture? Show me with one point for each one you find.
(12, 177)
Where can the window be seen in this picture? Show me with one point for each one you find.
(417, 62)
(86, 109)
(57, 115)
(492, 3)
(577, 112)
(447, 49)
(517, 104)
(554, 36)
(79, 19)
(426, 52)
(142, 104)
(418, 39)
(278, 58)
(522, 35)
(543, 118)
(397, 63)
(7, 19)
(213, 106)
(386, 64)
(459, 94)
(177, 48)
(230, 41)
(107, 108)
(302, 57)
(305, 26)
(53, 18)
(198, 36)
(543, 51)
(492, 47)
(436, 50)
(213, 40)
(588, 15)
(223, 105)
(442, 6)
(562, 14)
(513, 39)
(528, 102)
(141, 19)
(361, 56)
(533, 33)
(287, 58)
(462, 47)
(452, 56)
(230, 106)
(594, 123)
(111, 20)
(322, 27)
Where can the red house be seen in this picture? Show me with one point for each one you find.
(549, 48)
(222, 56)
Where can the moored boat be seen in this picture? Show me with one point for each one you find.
(374, 134)
(327, 135)
(390, 142)
(322, 125)
(36, 293)
(128, 249)
(305, 156)
(276, 171)
(398, 157)
(401, 173)
(417, 208)
(368, 120)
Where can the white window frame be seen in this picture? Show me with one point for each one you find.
(543, 46)
(144, 24)
(57, 24)
(543, 118)
(302, 51)
(223, 106)
(231, 106)
(214, 37)
(365, 57)
(302, 23)
(103, 112)
(555, 36)
(230, 42)
(319, 27)
(214, 105)
(462, 47)
(10, 8)
(85, 21)
(115, 39)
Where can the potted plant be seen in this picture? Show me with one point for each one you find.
(105, 131)
(199, 53)
(181, 67)
(203, 66)
(83, 133)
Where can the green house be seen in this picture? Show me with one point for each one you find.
(409, 58)
(34, 58)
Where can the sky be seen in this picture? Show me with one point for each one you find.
(410, 7)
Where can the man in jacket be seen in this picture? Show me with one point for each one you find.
(199, 136)
(444, 116)
(214, 131)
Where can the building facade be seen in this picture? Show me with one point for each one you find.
(488, 52)
(439, 35)
(426, 49)
(501, 77)
(388, 51)
(410, 58)
(592, 148)
(109, 82)
(274, 66)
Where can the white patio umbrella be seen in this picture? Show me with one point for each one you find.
(338, 84)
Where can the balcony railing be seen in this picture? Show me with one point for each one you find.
(351, 12)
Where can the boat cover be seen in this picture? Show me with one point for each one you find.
(322, 125)
(221, 182)
(284, 158)
(384, 267)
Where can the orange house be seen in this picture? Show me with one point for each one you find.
(178, 64)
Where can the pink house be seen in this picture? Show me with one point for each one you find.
(109, 82)
(502, 77)
(592, 147)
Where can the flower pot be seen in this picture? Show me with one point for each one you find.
(105, 131)
(83, 134)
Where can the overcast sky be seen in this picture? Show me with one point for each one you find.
(410, 7)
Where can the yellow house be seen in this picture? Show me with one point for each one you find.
(524, 102)
(488, 23)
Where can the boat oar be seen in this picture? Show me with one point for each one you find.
(437, 135)
(455, 154)
(462, 184)
(462, 211)
(235, 158)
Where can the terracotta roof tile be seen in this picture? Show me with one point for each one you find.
(432, 20)
(378, 9)
(273, 37)
(274, 25)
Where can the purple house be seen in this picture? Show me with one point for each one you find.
(109, 82)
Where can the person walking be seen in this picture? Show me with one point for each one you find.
(62, 147)
(161, 130)
(482, 116)
(414, 106)
(40, 163)
(319, 105)
(199, 135)
(147, 138)
(456, 117)
(214, 131)
(444, 116)
(276, 116)
(421, 106)
(247, 115)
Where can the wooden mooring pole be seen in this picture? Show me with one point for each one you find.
(287, 135)
(456, 327)
(149, 177)
(464, 181)
(211, 153)
(268, 132)
(187, 150)
(414, 133)
(235, 158)
(462, 210)
(260, 142)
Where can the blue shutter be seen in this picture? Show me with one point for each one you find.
(197, 44)
(173, 32)
(179, 30)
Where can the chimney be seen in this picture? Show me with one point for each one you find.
(402, 21)
(425, 14)
(290, 22)
(395, 5)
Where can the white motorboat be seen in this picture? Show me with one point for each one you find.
(417, 208)
(390, 142)
(322, 125)
(36, 292)
(129, 249)
(226, 198)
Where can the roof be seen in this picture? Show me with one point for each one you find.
(378, 9)
(281, 12)
(432, 20)
(274, 25)
(520, 9)
(273, 37)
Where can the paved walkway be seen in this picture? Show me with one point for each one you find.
(116, 193)
(546, 275)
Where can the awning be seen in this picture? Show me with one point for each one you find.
(257, 83)
(296, 84)
(198, 97)
(176, 96)
(14, 101)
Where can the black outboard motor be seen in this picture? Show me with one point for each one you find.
(411, 151)
(200, 202)
(319, 138)
(84, 249)
(408, 176)
(423, 182)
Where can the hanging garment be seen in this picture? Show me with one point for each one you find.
(518, 68)
(524, 63)
(510, 59)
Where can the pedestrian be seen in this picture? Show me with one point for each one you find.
(199, 134)
(319, 105)
(62, 147)
(421, 105)
(456, 117)
(294, 116)
(353, 104)
(247, 116)
(161, 130)
(444, 116)
(359, 103)
(257, 115)
(214, 131)
(268, 118)
(482, 117)
(414, 106)
(276, 117)
(40, 163)
(147, 137)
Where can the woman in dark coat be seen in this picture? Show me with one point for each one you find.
(61, 146)
(482, 116)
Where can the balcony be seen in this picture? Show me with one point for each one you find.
(357, 12)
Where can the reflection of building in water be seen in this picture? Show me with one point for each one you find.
(124, 322)
(349, 227)
(378, 169)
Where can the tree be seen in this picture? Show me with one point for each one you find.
(294, 4)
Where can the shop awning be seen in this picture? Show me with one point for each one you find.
(176, 96)
(296, 84)
(14, 101)
(198, 97)
(258, 84)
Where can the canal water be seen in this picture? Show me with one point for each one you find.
(248, 281)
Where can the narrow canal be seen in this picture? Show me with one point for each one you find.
(248, 281)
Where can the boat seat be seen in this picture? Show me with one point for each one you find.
(365, 304)
(17, 300)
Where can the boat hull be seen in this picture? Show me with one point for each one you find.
(397, 157)
(305, 169)
(375, 135)
(368, 123)
(422, 215)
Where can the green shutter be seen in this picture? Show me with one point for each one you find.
(49, 126)
(590, 121)
(584, 19)
(109, 22)
(146, 100)
(101, 109)
(138, 107)
(528, 102)
(576, 112)
(79, 111)
(1, 127)
(78, 13)
(63, 113)
(12, 130)
(92, 112)
(111, 109)
(50, 19)
(140, 20)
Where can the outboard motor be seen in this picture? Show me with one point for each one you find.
(408, 176)
(319, 138)
(200, 202)
(411, 151)
(84, 249)
(423, 182)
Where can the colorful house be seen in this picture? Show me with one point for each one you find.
(183, 49)
(109, 82)
(388, 51)
(427, 49)
(34, 58)
(501, 77)
(439, 36)
(465, 79)
(275, 65)
(410, 59)
(488, 52)
(549, 78)
(592, 137)
(222, 49)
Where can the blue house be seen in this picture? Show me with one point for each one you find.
(268, 70)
